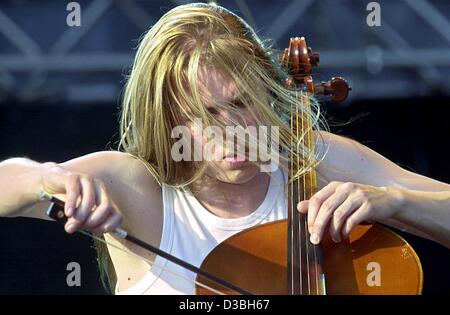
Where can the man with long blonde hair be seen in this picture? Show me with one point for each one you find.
(201, 62)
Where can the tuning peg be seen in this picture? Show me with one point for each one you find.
(337, 87)
(314, 57)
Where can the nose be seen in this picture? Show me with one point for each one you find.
(239, 118)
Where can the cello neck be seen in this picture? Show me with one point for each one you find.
(304, 258)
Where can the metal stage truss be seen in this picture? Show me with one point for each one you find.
(41, 57)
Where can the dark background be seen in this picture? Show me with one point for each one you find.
(51, 111)
(34, 253)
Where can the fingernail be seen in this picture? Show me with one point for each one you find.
(69, 211)
(336, 240)
(69, 228)
(314, 238)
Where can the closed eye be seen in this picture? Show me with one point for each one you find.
(237, 104)
(212, 110)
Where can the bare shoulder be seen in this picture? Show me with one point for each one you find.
(128, 182)
(118, 170)
(112, 163)
(139, 198)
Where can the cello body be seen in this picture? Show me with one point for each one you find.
(373, 261)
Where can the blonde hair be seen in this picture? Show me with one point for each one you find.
(162, 90)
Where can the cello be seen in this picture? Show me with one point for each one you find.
(278, 257)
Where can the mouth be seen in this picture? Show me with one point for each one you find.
(235, 157)
(235, 161)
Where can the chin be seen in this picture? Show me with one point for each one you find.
(237, 175)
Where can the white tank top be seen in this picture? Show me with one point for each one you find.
(190, 232)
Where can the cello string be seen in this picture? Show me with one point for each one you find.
(290, 196)
(312, 181)
(296, 266)
(305, 133)
(299, 193)
(317, 276)
(299, 190)
(304, 246)
(292, 207)
(309, 179)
